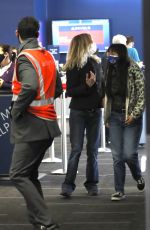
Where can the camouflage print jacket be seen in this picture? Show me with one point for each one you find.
(135, 100)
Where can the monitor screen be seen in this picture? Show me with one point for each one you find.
(64, 30)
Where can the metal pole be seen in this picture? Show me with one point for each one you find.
(63, 170)
(103, 136)
(51, 153)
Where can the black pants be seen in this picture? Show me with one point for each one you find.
(26, 160)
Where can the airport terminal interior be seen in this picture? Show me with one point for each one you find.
(80, 211)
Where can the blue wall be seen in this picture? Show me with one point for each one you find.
(11, 11)
(125, 16)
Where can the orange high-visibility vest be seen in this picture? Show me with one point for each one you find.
(44, 64)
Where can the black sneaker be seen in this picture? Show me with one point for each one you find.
(93, 192)
(117, 196)
(141, 184)
(66, 194)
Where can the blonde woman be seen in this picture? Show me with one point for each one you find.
(84, 86)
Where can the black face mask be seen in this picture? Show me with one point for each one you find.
(1, 57)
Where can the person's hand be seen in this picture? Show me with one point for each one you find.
(129, 120)
(1, 82)
(90, 79)
(140, 64)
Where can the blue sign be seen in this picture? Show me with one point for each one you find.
(6, 146)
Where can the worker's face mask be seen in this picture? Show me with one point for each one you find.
(2, 56)
(113, 59)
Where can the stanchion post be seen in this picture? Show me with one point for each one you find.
(63, 170)
(103, 136)
(51, 153)
(64, 135)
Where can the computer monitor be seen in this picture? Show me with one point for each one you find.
(64, 30)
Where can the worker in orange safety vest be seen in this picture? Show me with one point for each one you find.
(43, 105)
(33, 119)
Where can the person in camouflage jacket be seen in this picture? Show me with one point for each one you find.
(124, 106)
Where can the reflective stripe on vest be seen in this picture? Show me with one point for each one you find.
(37, 102)
(39, 71)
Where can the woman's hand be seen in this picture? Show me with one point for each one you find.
(1, 82)
(129, 120)
(90, 79)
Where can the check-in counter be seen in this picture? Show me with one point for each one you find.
(5, 147)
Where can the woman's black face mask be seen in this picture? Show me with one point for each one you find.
(2, 56)
(113, 59)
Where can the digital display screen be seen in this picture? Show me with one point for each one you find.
(64, 30)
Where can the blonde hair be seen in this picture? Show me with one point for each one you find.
(78, 51)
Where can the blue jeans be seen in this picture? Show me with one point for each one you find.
(124, 144)
(80, 121)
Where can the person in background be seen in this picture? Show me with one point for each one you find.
(119, 39)
(34, 121)
(132, 51)
(84, 86)
(6, 67)
(124, 106)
